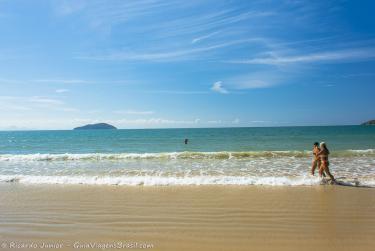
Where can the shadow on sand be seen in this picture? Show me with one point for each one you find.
(340, 182)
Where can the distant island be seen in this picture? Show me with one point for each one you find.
(98, 126)
(371, 122)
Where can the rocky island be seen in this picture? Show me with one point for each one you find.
(98, 126)
(371, 122)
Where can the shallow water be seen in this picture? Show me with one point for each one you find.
(228, 156)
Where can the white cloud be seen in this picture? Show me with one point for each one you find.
(259, 121)
(44, 101)
(180, 92)
(94, 111)
(217, 122)
(252, 84)
(201, 38)
(218, 87)
(14, 107)
(67, 7)
(150, 123)
(170, 54)
(40, 123)
(33, 99)
(34, 103)
(66, 81)
(331, 56)
(98, 14)
(133, 112)
(61, 90)
(67, 109)
(258, 80)
(62, 81)
(236, 121)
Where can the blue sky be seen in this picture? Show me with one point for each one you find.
(157, 64)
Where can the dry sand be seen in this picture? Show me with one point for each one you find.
(187, 218)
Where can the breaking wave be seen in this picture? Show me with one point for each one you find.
(161, 181)
(178, 155)
(175, 181)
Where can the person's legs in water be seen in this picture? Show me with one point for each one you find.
(317, 164)
(321, 170)
(316, 159)
(314, 165)
(324, 168)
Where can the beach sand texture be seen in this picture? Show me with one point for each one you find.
(190, 218)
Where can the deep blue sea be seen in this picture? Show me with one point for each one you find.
(222, 156)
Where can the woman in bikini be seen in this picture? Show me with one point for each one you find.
(324, 162)
(316, 159)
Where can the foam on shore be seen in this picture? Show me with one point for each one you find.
(177, 155)
(168, 181)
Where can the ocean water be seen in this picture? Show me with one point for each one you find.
(222, 156)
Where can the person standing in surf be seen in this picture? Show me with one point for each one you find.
(324, 162)
(316, 159)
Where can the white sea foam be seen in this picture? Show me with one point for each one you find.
(176, 155)
(366, 151)
(163, 181)
(274, 168)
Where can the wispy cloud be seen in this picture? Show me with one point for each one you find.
(44, 100)
(257, 80)
(179, 92)
(133, 112)
(259, 121)
(167, 38)
(169, 55)
(331, 56)
(100, 13)
(236, 121)
(70, 7)
(62, 81)
(218, 87)
(36, 103)
(228, 18)
(252, 83)
(46, 81)
(67, 81)
(216, 122)
(61, 90)
(198, 39)
(154, 122)
(356, 75)
(11, 81)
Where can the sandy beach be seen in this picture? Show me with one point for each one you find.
(82, 217)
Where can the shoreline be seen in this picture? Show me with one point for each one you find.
(189, 217)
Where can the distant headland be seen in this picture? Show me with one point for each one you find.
(98, 126)
(371, 122)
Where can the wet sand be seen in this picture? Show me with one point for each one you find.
(187, 218)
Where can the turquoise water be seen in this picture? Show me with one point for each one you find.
(200, 140)
(223, 156)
